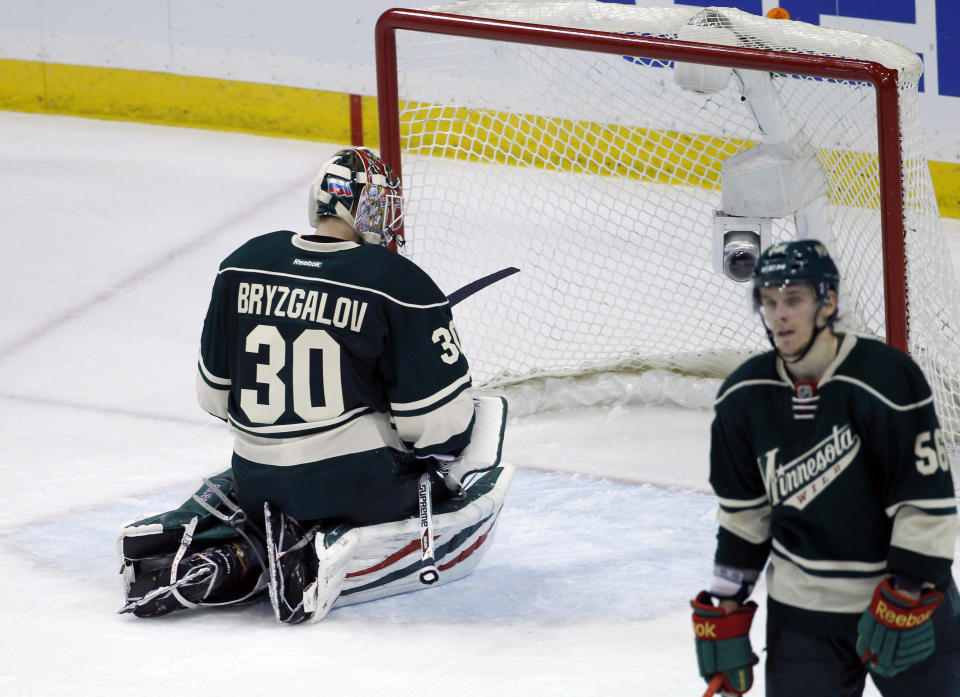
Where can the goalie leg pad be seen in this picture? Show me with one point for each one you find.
(357, 564)
(334, 551)
(377, 561)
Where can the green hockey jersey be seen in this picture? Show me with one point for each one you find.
(839, 482)
(326, 358)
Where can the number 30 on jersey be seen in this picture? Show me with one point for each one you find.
(449, 343)
(268, 374)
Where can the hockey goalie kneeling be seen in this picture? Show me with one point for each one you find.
(207, 553)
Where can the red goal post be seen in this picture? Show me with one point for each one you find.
(882, 78)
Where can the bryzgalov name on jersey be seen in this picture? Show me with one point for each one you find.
(297, 303)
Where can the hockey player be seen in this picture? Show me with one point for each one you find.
(337, 366)
(827, 457)
(332, 357)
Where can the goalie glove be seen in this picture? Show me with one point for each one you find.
(895, 632)
(723, 643)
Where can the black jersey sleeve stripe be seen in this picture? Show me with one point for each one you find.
(433, 402)
(735, 551)
(213, 399)
(212, 380)
(300, 429)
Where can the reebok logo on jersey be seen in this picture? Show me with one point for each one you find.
(307, 262)
(800, 481)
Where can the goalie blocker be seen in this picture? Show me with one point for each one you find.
(353, 564)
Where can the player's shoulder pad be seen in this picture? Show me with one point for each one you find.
(757, 371)
(883, 370)
(397, 276)
(252, 253)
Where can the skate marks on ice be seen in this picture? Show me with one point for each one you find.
(568, 549)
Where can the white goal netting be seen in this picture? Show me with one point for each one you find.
(599, 177)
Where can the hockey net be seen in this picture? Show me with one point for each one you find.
(599, 176)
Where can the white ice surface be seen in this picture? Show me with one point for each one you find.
(111, 236)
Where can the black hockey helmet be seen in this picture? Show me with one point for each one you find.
(357, 187)
(791, 263)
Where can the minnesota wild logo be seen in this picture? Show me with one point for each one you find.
(800, 481)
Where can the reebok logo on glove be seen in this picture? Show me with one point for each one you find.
(705, 630)
(895, 631)
(723, 643)
(729, 626)
(899, 618)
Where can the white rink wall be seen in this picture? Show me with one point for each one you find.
(297, 43)
(329, 45)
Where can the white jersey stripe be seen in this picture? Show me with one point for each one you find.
(432, 399)
(831, 564)
(920, 532)
(226, 382)
(749, 383)
(921, 503)
(439, 425)
(752, 525)
(740, 503)
(297, 429)
(311, 246)
(866, 388)
(311, 279)
(789, 584)
(367, 432)
(213, 400)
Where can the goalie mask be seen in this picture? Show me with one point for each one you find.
(357, 187)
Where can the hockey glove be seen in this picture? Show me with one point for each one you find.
(895, 632)
(723, 643)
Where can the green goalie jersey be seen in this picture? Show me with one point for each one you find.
(838, 482)
(327, 358)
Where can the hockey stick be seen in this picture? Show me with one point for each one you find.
(714, 685)
(428, 564)
(481, 283)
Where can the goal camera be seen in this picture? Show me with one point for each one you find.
(737, 242)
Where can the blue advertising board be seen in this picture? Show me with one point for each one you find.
(895, 12)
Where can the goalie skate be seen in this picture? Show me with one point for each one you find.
(203, 576)
(198, 554)
(292, 565)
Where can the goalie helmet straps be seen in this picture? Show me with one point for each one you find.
(357, 187)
